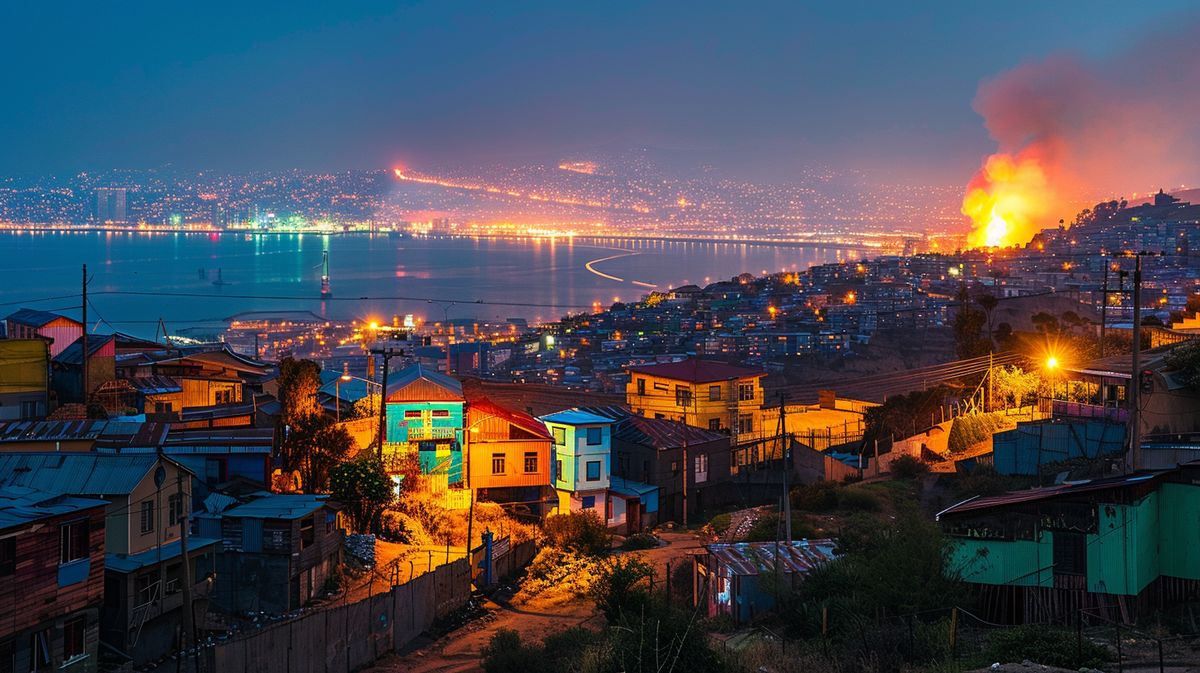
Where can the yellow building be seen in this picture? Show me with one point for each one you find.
(702, 393)
(24, 379)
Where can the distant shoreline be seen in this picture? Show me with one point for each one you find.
(881, 247)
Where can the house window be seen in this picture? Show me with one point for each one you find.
(662, 386)
(560, 436)
(683, 396)
(530, 462)
(144, 588)
(593, 470)
(73, 541)
(212, 471)
(29, 409)
(558, 472)
(39, 650)
(412, 413)
(497, 463)
(745, 424)
(1070, 553)
(594, 436)
(589, 502)
(702, 468)
(714, 393)
(73, 636)
(307, 532)
(745, 392)
(641, 386)
(174, 509)
(714, 424)
(147, 518)
(8, 558)
(441, 413)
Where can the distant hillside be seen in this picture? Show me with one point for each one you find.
(1188, 195)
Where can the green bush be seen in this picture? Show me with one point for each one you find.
(563, 651)
(719, 524)
(821, 496)
(623, 585)
(908, 467)
(581, 532)
(858, 499)
(1046, 645)
(768, 527)
(639, 541)
(970, 430)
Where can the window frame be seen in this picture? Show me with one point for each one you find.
(73, 541)
(587, 473)
(146, 514)
(530, 455)
(79, 623)
(560, 435)
(599, 436)
(714, 393)
(498, 459)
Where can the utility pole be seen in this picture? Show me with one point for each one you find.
(1133, 460)
(387, 354)
(1104, 308)
(189, 629)
(85, 339)
(991, 389)
(786, 446)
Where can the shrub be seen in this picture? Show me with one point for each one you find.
(967, 431)
(719, 524)
(623, 585)
(505, 653)
(1045, 645)
(639, 541)
(767, 527)
(908, 467)
(858, 499)
(821, 496)
(582, 532)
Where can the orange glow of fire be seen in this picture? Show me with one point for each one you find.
(1007, 200)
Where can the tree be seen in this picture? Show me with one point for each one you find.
(968, 324)
(366, 407)
(318, 444)
(1013, 386)
(1046, 323)
(364, 490)
(299, 381)
(988, 303)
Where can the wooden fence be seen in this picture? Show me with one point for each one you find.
(345, 638)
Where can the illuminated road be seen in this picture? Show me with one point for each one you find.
(609, 276)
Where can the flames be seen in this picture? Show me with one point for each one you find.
(1008, 199)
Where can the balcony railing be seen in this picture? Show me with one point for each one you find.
(422, 433)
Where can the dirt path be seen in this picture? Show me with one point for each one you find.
(534, 618)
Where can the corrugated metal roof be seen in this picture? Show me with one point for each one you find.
(73, 354)
(123, 563)
(1046, 492)
(278, 506)
(450, 388)
(630, 487)
(35, 318)
(752, 558)
(661, 433)
(576, 416)
(75, 473)
(154, 385)
(20, 505)
(695, 370)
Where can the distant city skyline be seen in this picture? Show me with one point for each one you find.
(758, 92)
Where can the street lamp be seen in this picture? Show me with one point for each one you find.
(337, 392)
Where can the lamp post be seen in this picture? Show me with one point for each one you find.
(337, 392)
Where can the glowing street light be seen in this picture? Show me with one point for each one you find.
(1052, 363)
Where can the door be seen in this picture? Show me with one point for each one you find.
(633, 515)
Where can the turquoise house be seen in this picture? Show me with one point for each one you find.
(425, 412)
(1125, 547)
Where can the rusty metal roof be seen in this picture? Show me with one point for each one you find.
(1047, 492)
(753, 558)
(695, 370)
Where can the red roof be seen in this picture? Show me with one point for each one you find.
(694, 370)
(478, 403)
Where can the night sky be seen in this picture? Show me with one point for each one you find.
(760, 87)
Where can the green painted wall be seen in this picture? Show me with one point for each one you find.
(1122, 557)
(1179, 531)
(1024, 563)
(564, 452)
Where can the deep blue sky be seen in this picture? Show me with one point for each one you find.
(761, 86)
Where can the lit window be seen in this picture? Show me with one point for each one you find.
(441, 413)
(412, 413)
(531, 462)
(714, 393)
(745, 392)
(560, 436)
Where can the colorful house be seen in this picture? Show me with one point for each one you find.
(728, 579)
(701, 393)
(509, 456)
(24, 379)
(582, 455)
(51, 580)
(28, 323)
(425, 412)
(1124, 547)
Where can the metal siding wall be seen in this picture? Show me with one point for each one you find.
(1123, 554)
(1179, 511)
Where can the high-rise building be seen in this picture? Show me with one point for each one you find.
(110, 205)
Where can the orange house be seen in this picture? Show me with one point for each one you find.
(508, 457)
